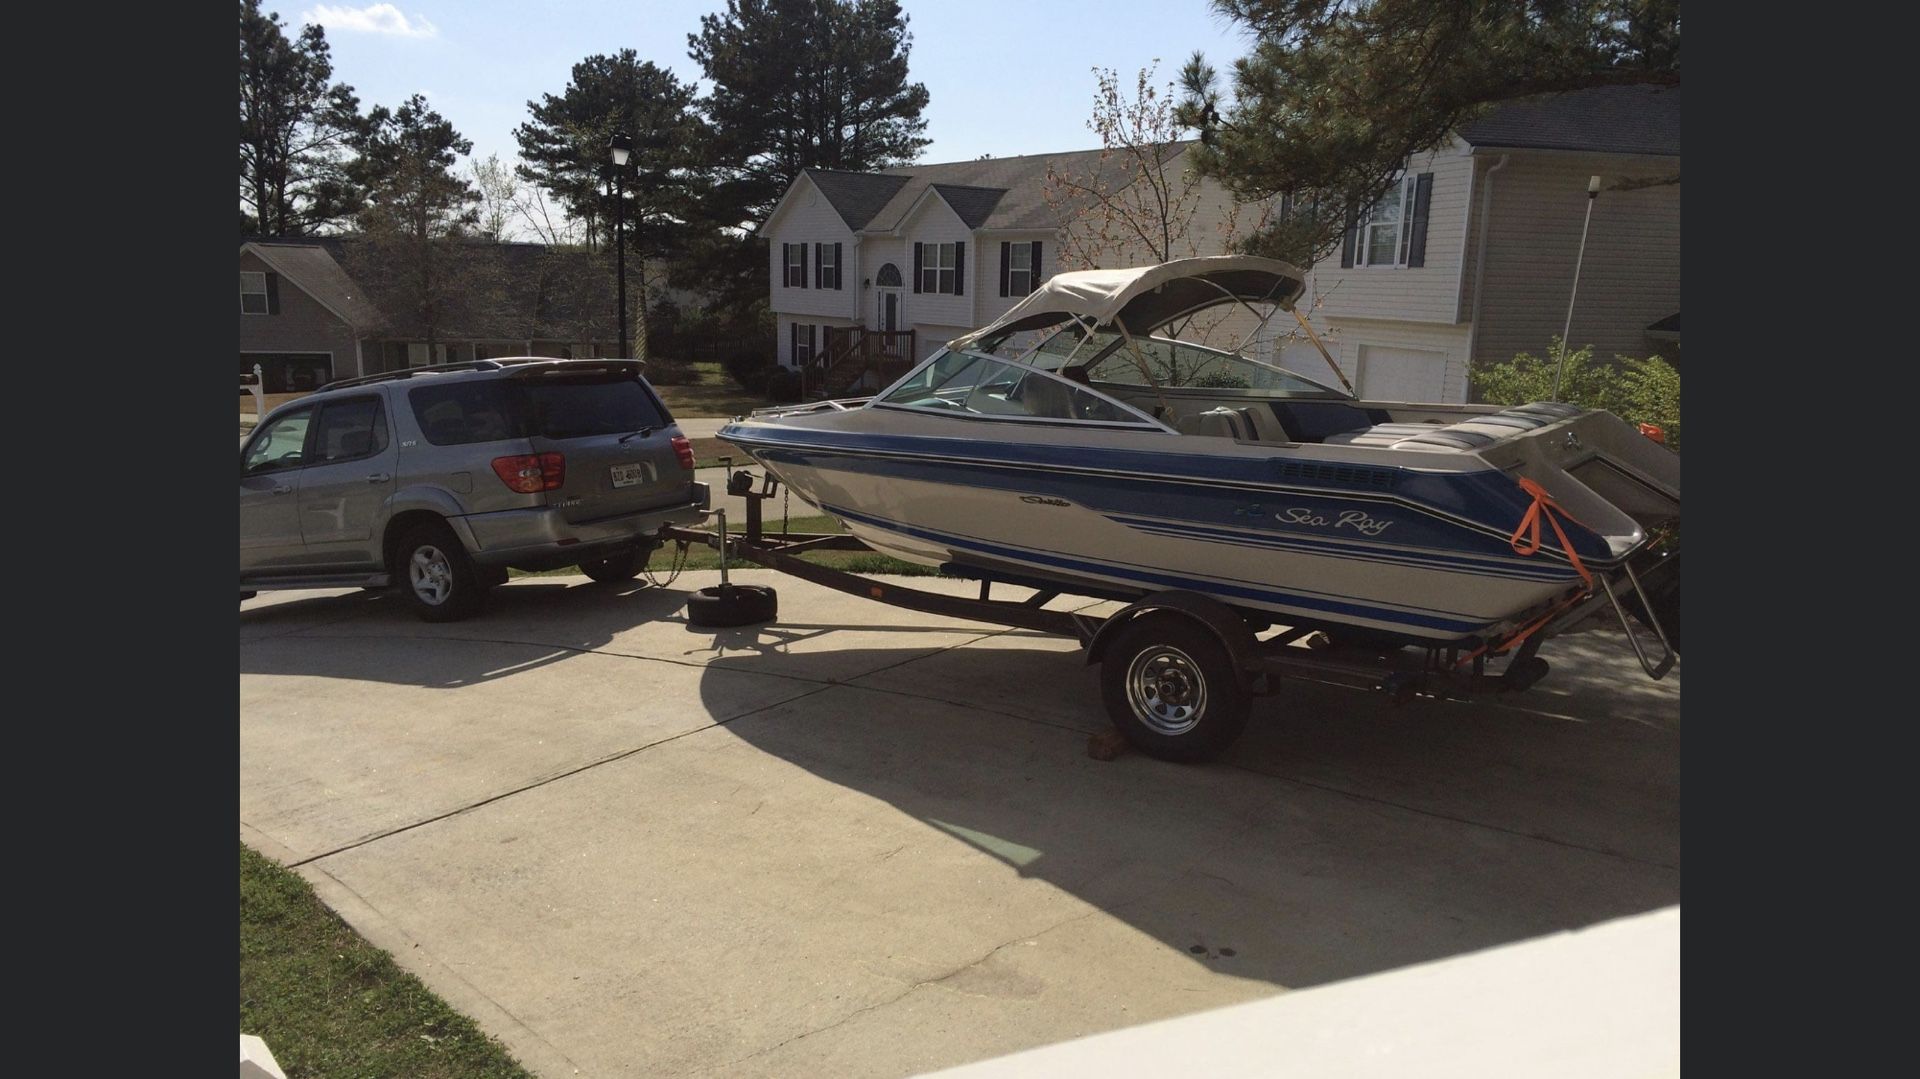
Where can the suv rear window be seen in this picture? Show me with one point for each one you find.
(577, 408)
(461, 413)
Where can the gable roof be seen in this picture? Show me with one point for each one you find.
(973, 204)
(856, 196)
(989, 193)
(492, 291)
(1601, 119)
(313, 269)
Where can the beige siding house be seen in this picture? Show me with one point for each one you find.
(1471, 259)
(926, 253)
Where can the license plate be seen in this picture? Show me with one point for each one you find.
(628, 475)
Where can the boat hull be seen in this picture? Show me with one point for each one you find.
(1316, 557)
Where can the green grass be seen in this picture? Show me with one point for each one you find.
(708, 451)
(708, 558)
(714, 396)
(330, 1004)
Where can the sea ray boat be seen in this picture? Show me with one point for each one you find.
(1077, 444)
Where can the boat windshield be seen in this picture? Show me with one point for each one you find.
(1103, 356)
(976, 384)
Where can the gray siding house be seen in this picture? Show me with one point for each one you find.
(317, 309)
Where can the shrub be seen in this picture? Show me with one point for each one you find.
(1636, 390)
(750, 369)
(784, 384)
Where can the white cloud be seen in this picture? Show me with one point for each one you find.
(372, 19)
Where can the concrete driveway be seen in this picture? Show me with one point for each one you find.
(867, 842)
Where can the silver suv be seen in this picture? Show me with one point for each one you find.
(436, 480)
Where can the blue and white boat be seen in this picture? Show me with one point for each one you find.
(1077, 445)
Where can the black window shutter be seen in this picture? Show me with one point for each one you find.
(819, 279)
(916, 267)
(1006, 265)
(1422, 195)
(273, 294)
(1346, 245)
(812, 347)
(960, 269)
(786, 262)
(1033, 274)
(839, 268)
(793, 356)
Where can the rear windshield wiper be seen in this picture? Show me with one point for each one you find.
(641, 433)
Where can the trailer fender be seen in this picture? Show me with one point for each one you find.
(1216, 617)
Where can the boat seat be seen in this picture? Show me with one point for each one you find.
(1465, 435)
(1381, 434)
(1234, 423)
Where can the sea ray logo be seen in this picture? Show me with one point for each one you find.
(1041, 500)
(1358, 520)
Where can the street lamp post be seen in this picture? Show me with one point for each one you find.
(620, 146)
(1593, 192)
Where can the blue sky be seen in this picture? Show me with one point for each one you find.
(1005, 77)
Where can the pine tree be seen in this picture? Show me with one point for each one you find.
(294, 126)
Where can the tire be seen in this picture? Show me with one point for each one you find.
(1171, 689)
(435, 575)
(624, 566)
(733, 605)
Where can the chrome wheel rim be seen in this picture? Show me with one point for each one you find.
(1166, 690)
(431, 574)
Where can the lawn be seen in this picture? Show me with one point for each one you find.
(330, 1004)
(708, 558)
(715, 395)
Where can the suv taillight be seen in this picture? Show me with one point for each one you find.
(532, 473)
(683, 450)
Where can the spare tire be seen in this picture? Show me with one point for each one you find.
(733, 605)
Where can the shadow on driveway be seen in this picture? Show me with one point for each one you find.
(1341, 836)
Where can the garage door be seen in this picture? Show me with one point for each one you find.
(930, 339)
(1401, 374)
(290, 372)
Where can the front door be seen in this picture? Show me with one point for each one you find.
(345, 486)
(888, 316)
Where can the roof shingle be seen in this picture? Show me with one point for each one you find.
(1600, 119)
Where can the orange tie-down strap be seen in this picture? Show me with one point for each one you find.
(1526, 541)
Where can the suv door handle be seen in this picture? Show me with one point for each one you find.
(282, 489)
(379, 477)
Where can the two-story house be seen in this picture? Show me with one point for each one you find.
(1470, 258)
(909, 258)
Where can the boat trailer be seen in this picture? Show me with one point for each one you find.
(1167, 658)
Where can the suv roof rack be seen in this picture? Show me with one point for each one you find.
(434, 368)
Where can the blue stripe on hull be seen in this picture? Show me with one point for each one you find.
(1356, 552)
(1451, 622)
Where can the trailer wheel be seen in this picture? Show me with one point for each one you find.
(727, 605)
(1170, 687)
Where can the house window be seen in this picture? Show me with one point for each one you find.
(796, 265)
(1384, 236)
(802, 343)
(253, 293)
(936, 268)
(419, 356)
(1020, 269)
(829, 276)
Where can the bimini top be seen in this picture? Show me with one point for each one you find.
(1144, 298)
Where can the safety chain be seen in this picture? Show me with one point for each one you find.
(679, 564)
